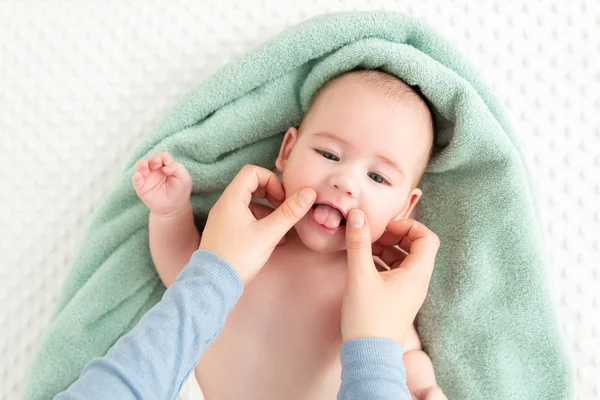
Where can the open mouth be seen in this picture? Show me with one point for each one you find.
(322, 226)
(342, 222)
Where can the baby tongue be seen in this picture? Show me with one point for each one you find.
(327, 215)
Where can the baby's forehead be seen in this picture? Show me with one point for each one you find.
(339, 92)
(387, 110)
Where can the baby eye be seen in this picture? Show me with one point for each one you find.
(328, 155)
(376, 177)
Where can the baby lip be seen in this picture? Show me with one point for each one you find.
(343, 221)
(344, 214)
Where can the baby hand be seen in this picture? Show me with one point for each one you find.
(163, 185)
(432, 393)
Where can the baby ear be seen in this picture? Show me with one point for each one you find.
(286, 148)
(413, 198)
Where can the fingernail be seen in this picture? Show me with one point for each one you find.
(356, 219)
(305, 197)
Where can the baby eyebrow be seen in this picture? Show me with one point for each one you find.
(391, 162)
(386, 160)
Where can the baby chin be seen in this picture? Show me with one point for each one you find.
(319, 238)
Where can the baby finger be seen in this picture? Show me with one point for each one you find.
(166, 157)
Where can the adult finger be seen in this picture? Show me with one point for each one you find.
(272, 191)
(408, 227)
(288, 213)
(380, 265)
(271, 198)
(358, 246)
(390, 255)
(414, 231)
(260, 210)
(423, 249)
(390, 239)
(250, 179)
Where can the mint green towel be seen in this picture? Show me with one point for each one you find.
(488, 322)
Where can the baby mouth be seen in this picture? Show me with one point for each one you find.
(328, 216)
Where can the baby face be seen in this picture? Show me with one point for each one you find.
(357, 148)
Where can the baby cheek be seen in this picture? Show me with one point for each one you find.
(291, 184)
(376, 233)
(377, 227)
(289, 177)
(294, 179)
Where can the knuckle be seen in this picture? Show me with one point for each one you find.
(288, 211)
(246, 169)
(357, 243)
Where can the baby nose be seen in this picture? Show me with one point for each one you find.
(345, 183)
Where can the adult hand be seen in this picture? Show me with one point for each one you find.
(385, 304)
(232, 230)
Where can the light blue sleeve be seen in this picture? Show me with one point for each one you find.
(372, 369)
(156, 357)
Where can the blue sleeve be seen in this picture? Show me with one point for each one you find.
(372, 369)
(156, 357)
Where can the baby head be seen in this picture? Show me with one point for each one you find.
(364, 143)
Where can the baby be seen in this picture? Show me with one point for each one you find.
(364, 143)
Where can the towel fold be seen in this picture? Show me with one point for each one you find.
(488, 323)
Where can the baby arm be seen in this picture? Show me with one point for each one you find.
(420, 377)
(165, 187)
(173, 240)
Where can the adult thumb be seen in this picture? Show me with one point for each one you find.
(288, 213)
(358, 245)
